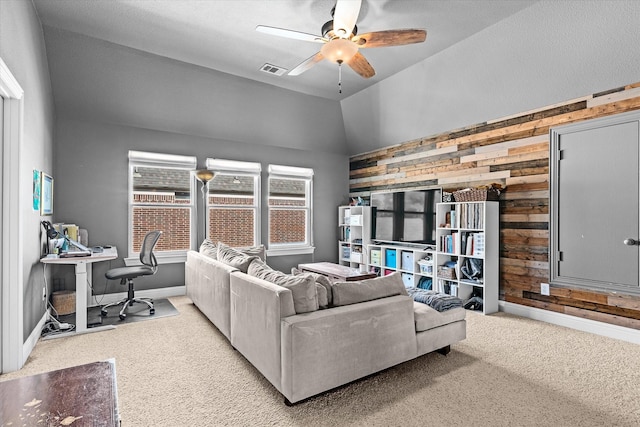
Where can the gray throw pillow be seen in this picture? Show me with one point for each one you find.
(234, 258)
(254, 251)
(302, 287)
(320, 280)
(321, 294)
(345, 293)
(209, 249)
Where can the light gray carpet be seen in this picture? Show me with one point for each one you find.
(510, 371)
(135, 313)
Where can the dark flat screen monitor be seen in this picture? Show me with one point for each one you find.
(406, 216)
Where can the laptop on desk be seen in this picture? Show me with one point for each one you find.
(80, 250)
(75, 253)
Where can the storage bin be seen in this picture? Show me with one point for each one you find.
(64, 302)
(346, 252)
(390, 258)
(407, 279)
(426, 266)
(407, 260)
(356, 220)
(375, 257)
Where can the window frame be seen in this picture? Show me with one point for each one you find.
(238, 168)
(160, 161)
(300, 174)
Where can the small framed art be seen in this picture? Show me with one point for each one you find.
(46, 194)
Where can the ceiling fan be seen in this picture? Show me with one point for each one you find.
(340, 40)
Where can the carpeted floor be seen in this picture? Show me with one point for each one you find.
(510, 371)
(135, 313)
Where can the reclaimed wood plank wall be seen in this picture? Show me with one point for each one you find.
(513, 152)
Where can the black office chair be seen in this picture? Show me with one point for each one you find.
(127, 274)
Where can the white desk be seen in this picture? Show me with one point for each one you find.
(83, 279)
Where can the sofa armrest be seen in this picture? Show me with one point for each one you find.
(328, 348)
(257, 307)
(207, 284)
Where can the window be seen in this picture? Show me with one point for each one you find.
(290, 210)
(233, 205)
(161, 197)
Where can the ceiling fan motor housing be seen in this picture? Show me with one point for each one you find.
(328, 33)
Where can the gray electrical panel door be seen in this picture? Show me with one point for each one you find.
(594, 215)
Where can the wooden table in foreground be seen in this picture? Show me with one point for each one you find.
(336, 272)
(79, 396)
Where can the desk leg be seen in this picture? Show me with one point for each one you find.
(89, 285)
(81, 298)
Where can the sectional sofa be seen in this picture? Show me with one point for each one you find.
(305, 334)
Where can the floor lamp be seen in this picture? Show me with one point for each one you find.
(204, 176)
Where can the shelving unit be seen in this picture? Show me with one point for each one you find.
(415, 263)
(467, 241)
(354, 223)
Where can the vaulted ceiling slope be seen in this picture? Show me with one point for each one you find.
(220, 35)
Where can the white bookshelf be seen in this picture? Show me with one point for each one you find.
(467, 232)
(354, 223)
(413, 262)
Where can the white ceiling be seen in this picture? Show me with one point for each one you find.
(220, 34)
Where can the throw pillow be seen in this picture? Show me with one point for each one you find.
(209, 249)
(320, 280)
(234, 258)
(254, 251)
(321, 294)
(302, 287)
(345, 293)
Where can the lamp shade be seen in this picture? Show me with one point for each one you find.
(339, 50)
(203, 175)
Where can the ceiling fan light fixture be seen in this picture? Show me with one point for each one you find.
(339, 50)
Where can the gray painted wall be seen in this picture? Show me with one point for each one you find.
(111, 99)
(550, 52)
(100, 81)
(91, 187)
(22, 49)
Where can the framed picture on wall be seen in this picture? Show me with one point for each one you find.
(36, 190)
(46, 194)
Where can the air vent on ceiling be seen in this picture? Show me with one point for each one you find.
(273, 69)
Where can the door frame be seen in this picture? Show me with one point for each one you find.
(11, 257)
(555, 156)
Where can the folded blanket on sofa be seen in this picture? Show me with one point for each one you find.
(436, 300)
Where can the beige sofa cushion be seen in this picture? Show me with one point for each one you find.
(303, 287)
(427, 318)
(209, 249)
(234, 257)
(320, 280)
(321, 294)
(345, 293)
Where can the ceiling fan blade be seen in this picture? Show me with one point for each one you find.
(390, 38)
(306, 64)
(360, 65)
(345, 17)
(281, 32)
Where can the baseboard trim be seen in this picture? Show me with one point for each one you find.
(158, 293)
(31, 342)
(573, 322)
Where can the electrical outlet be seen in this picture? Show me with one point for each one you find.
(544, 289)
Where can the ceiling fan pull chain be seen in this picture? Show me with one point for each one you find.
(339, 76)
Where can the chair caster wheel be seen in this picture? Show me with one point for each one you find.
(152, 311)
(103, 313)
(123, 316)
